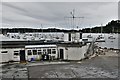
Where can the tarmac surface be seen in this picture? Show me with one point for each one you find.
(13, 71)
(102, 66)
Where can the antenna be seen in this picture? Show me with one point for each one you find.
(42, 28)
(73, 18)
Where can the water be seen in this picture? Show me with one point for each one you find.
(109, 43)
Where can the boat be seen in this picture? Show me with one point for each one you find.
(100, 37)
(100, 40)
(111, 36)
(89, 36)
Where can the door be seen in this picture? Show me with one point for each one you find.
(22, 56)
(69, 37)
(61, 54)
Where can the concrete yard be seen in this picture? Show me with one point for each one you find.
(102, 66)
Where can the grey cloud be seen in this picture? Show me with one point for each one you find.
(12, 6)
(35, 13)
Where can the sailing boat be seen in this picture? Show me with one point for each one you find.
(89, 36)
(111, 36)
(100, 37)
(42, 37)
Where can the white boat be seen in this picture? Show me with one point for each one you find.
(42, 39)
(100, 38)
(111, 37)
(89, 36)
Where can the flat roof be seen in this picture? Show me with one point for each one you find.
(39, 46)
(22, 44)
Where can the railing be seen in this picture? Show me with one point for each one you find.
(91, 49)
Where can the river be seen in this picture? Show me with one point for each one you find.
(109, 43)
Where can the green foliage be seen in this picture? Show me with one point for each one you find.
(111, 27)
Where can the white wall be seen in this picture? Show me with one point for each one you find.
(70, 53)
(5, 57)
(74, 53)
(74, 36)
(66, 37)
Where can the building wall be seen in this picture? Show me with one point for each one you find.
(9, 56)
(74, 36)
(28, 57)
(70, 53)
(74, 53)
(3, 56)
(66, 37)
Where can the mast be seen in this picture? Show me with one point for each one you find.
(73, 18)
(112, 29)
(90, 29)
(42, 30)
(101, 29)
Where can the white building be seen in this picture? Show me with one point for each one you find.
(73, 36)
(10, 54)
(37, 51)
(60, 51)
(20, 50)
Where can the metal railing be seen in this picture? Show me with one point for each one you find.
(91, 49)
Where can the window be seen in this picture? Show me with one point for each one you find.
(16, 51)
(44, 51)
(29, 52)
(34, 52)
(53, 51)
(4, 51)
(16, 54)
(39, 50)
(39, 53)
(49, 51)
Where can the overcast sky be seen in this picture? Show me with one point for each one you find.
(51, 14)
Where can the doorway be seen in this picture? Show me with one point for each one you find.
(61, 54)
(22, 56)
